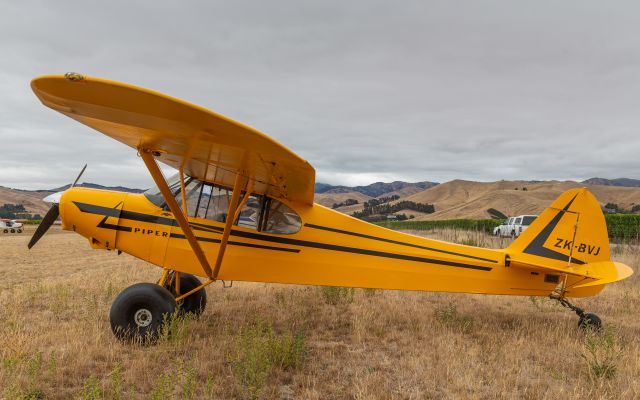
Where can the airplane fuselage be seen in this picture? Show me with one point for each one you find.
(329, 249)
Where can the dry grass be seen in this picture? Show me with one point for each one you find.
(275, 341)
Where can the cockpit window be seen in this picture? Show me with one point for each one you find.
(251, 212)
(155, 196)
(279, 218)
(193, 188)
(211, 202)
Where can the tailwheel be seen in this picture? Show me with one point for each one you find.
(196, 302)
(138, 312)
(590, 321)
(586, 320)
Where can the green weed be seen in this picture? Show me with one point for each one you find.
(175, 327)
(370, 292)
(116, 383)
(162, 387)
(450, 317)
(257, 350)
(190, 384)
(91, 390)
(335, 295)
(601, 351)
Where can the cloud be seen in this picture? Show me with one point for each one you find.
(418, 90)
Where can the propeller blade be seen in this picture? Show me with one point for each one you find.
(79, 175)
(44, 226)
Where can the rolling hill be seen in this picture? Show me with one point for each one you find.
(467, 199)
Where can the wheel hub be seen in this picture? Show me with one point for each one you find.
(142, 317)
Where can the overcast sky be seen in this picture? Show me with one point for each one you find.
(364, 90)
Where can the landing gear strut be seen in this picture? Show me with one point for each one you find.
(194, 303)
(587, 320)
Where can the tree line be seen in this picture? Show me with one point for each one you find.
(615, 208)
(376, 207)
(347, 202)
(16, 211)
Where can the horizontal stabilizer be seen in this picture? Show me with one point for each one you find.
(609, 272)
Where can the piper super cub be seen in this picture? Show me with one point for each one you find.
(241, 209)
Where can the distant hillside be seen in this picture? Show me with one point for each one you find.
(624, 182)
(467, 199)
(377, 189)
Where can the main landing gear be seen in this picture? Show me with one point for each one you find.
(196, 302)
(139, 311)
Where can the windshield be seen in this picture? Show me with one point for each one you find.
(153, 194)
(528, 219)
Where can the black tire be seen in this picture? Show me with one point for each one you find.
(138, 312)
(195, 303)
(6, 231)
(590, 321)
(19, 230)
(13, 231)
(513, 234)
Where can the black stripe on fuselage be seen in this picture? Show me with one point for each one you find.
(93, 209)
(362, 235)
(135, 216)
(326, 246)
(231, 242)
(537, 248)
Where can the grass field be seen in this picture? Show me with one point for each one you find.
(296, 342)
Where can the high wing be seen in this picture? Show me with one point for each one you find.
(206, 145)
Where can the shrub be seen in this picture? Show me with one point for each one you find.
(601, 352)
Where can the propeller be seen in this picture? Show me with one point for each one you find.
(52, 214)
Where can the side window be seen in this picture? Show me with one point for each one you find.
(518, 221)
(250, 214)
(280, 219)
(193, 188)
(214, 203)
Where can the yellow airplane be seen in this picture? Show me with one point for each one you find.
(241, 209)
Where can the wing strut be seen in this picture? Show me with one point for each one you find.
(156, 174)
(235, 207)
